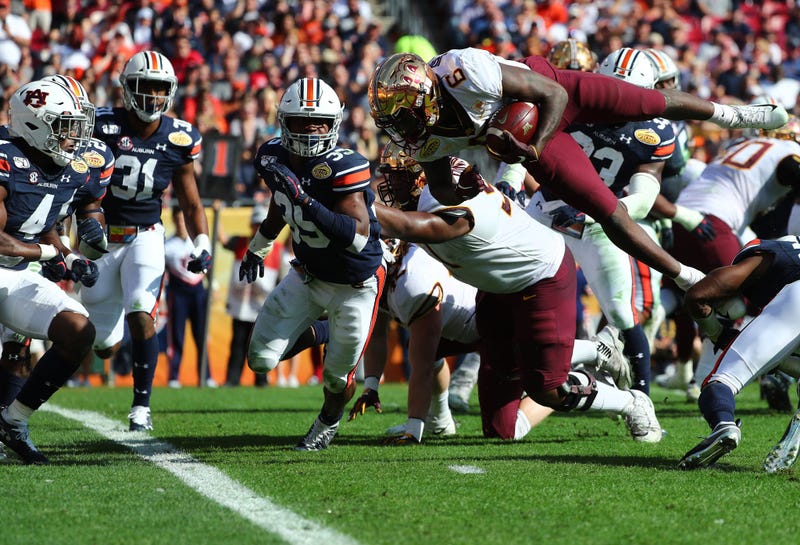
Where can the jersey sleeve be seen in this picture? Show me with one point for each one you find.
(657, 141)
(355, 176)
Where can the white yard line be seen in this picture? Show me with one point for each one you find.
(467, 470)
(210, 482)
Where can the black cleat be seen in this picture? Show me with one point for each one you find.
(17, 438)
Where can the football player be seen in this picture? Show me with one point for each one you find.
(435, 110)
(713, 212)
(767, 273)
(152, 151)
(524, 310)
(41, 169)
(15, 362)
(629, 158)
(323, 193)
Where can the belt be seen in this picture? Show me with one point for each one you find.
(124, 234)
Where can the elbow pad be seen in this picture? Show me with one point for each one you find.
(642, 192)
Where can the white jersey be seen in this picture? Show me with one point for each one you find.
(422, 284)
(505, 252)
(740, 185)
(472, 77)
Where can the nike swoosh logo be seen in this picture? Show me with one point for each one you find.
(528, 297)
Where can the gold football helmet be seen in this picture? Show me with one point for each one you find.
(790, 131)
(404, 99)
(572, 55)
(403, 178)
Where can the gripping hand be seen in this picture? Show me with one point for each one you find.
(91, 233)
(201, 263)
(84, 271)
(470, 183)
(368, 399)
(252, 267)
(566, 216)
(507, 190)
(55, 269)
(705, 230)
(510, 150)
(286, 181)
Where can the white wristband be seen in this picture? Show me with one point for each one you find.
(687, 218)
(69, 259)
(260, 245)
(48, 252)
(201, 242)
(371, 383)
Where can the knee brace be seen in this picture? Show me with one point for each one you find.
(577, 392)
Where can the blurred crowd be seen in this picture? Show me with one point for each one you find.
(233, 58)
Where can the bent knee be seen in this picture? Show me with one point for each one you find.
(259, 362)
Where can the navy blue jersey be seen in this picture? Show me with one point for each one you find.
(35, 197)
(144, 168)
(617, 151)
(677, 161)
(785, 267)
(325, 178)
(101, 160)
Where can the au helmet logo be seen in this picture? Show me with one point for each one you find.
(35, 97)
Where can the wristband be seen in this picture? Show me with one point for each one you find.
(371, 383)
(69, 259)
(48, 252)
(260, 245)
(687, 218)
(201, 243)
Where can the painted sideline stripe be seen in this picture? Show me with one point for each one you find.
(210, 482)
(467, 470)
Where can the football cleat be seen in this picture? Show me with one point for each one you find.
(319, 436)
(724, 438)
(640, 417)
(775, 389)
(17, 438)
(756, 116)
(139, 418)
(784, 454)
(610, 358)
(401, 440)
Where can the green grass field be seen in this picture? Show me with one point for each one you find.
(575, 479)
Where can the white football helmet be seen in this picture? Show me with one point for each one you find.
(668, 73)
(44, 114)
(310, 97)
(145, 75)
(80, 93)
(631, 65)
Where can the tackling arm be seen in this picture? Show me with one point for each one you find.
(643, 190)
(422, 226)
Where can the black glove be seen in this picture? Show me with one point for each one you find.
(510, 150)
(85, 272)
(470, 183)
(368, 399)
(725, 338)
(507, 190)
(566, 216)
(55, 269)
(667, 238)
(252, 267)
(200, 264)
(705, 231)
(287, 182)
(91, 232)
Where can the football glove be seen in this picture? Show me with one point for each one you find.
(252, 267)
(287, 182)
(84, 271)
(91, 233)
(667, 236)
(470, 183)
(725, 338)
(510, 150)
(200, 263)
(705, 231)
(507, 190)
(368, 399)
(566, 216)
(55, 269)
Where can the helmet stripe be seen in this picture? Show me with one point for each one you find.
(311, 92)
(154, 61)
(625, 61)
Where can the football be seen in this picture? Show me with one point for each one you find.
(519, 119)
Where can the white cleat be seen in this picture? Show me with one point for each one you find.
(724, 438)
(757, 116)
(610, 358)
(443, 427)
(139, 418)
(784, 454)
(640, 417)
(319, 436)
